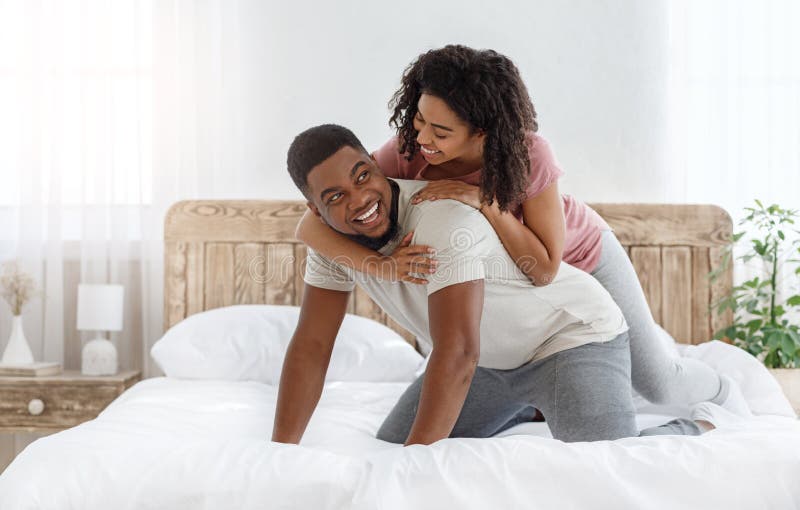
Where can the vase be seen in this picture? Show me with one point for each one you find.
(17, 351)
(789, 379)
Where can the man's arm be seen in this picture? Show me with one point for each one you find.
(306, 361)
(455, 317)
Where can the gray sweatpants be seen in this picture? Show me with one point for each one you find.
(583, 392)
(656, 373)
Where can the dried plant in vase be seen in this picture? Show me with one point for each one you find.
(17, 288)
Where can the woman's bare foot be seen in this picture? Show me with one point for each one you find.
(709, 416)
(705, 426)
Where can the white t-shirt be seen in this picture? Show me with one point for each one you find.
(520, 322)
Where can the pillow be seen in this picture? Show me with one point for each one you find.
(248, 343)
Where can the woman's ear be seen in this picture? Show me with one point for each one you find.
(480, 137)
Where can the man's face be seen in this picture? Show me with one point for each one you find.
(350, 193)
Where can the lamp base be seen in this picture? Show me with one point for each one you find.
(99, 357)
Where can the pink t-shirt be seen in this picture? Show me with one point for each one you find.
(582, 245)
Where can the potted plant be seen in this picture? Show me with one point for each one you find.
(761, 325)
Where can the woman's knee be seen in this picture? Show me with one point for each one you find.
(658, 392)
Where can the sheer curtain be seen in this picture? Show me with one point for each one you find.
(735, 105)
(112, 111)
(736, 99)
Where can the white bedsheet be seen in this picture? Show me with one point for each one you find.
(177, 444)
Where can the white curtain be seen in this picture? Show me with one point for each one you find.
(735, 105)
(111, 112)
(735, 94)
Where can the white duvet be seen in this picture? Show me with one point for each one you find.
(179, 444)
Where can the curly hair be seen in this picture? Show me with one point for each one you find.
(485, 90)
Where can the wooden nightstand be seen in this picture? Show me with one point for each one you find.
(52, 403)
(67, 399)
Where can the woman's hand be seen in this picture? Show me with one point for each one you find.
(406, 261)
(446, 188)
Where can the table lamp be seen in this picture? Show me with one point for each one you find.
(99, 309)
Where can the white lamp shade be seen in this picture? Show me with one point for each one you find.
(100, 307)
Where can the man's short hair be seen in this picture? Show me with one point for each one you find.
(315, 145)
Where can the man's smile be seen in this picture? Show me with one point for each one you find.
(369, 216)
(369, 219)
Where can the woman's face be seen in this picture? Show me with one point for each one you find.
(443, 136)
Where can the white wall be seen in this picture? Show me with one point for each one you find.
(597, 72)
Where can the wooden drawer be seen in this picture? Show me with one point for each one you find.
(66, 402)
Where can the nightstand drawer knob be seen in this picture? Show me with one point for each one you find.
(35, 407)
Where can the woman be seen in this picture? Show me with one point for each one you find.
(466, 123)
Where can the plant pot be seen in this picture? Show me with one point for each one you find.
(789, 379)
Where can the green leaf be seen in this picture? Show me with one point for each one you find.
(751, 305)
(788, 346)
(794, 300)
(752, 284)
(771, 360)
(774, 339)
(759, 203)
(780, 234)
(754, 325)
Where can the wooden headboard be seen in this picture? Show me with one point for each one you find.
(226, 252)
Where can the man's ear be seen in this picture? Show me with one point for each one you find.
(313, 208)
(375, 161)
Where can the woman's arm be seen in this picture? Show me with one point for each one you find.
(404, 264)
(535, 246)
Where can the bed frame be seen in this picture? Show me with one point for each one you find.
(226, 252)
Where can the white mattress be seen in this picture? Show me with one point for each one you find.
(178, 444)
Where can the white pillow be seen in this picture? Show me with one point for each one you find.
(248, 343)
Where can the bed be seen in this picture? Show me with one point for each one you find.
(180, 442)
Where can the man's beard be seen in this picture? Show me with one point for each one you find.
(376, 243)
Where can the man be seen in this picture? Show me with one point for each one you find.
(499, 346)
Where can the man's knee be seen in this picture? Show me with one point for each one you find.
(391, 433)
(604, 427)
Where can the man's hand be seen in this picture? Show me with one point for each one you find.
(306, 361)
